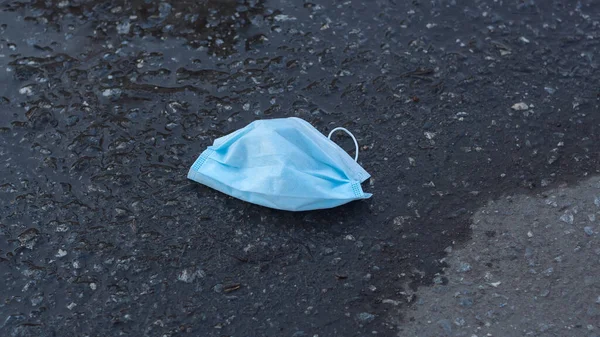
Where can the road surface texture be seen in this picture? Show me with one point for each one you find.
(531, 269)
(478, 121)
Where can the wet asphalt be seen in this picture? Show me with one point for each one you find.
(531, 268)
(104, 106)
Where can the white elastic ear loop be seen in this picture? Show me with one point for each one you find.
(349, 134)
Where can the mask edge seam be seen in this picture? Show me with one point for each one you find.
(199, 162)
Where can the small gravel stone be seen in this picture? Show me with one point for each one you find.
(110, 92)
(37, 299)
(588, 230)
(463, 267)
(282, 17)
(390, 301)
(429, 135)
(520, 106)
(123, 27)
(548, 271)
(459, 321)
(189, 275)
(567, 218)
(29, 238)
(365, 317)
(26, 91)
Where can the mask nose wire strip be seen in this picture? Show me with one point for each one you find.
(349, 134)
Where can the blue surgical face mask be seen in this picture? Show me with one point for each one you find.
(284, 164)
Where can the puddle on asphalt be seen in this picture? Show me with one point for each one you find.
(527, 251)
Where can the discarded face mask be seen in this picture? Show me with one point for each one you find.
(282, 163)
